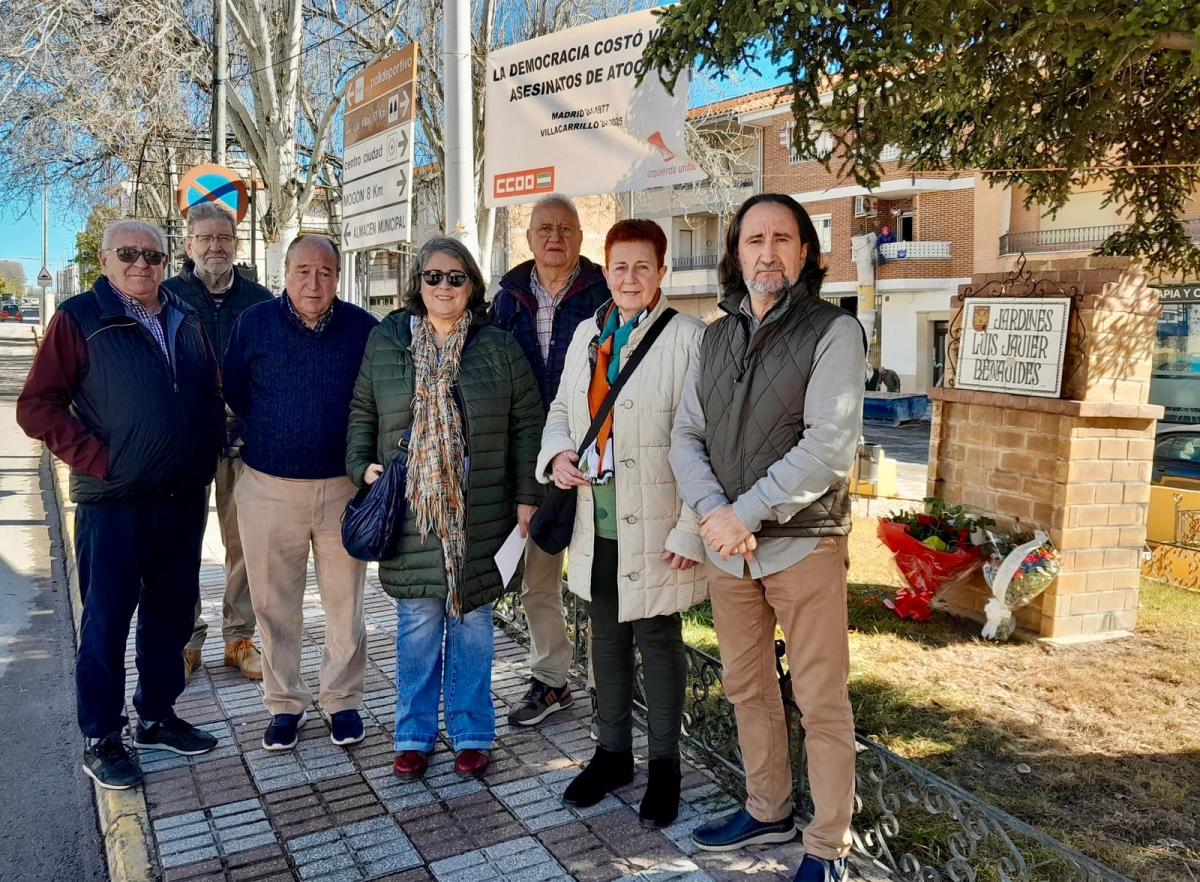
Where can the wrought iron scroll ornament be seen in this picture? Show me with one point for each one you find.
(910, 822)
(1022, 283)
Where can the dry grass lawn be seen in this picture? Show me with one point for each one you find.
(1098, 745)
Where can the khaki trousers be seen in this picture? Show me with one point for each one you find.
(808, 600)
(550, 650)
(279, 520)
(237, 612)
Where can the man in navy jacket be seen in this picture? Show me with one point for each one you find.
(541, 302)
(124, 389)
(211, 286)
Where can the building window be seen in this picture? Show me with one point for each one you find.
(824, 147)
(824, 225)
(1176, 370)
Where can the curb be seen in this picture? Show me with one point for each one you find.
(124, 818)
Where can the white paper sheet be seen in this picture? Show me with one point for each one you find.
(509, 555)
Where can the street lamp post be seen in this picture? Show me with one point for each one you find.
(460, 147)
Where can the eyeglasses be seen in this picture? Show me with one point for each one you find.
(130, 255)
(433, 278)
(545, 231)
(206, 241)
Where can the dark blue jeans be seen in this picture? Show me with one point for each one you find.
(144, 556)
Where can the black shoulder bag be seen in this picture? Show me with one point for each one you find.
(373, 518)
(554, 522)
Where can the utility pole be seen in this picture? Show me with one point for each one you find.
(220, 75)
(44, 303)
(460, 148)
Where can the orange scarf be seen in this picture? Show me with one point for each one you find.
(598, 389)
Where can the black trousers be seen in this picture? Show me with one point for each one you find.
(143, 556)
(664, 665)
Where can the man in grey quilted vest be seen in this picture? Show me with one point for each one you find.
(762, 445)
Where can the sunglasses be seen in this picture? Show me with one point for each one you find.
(433, 278)
(130, 255)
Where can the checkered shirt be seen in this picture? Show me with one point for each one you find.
(322, 322)
(547, 303)
(155, 323)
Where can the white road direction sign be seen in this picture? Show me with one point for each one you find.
(386, 150)
(375, 191)
(384, 226)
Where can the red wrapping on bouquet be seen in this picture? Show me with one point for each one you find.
(926, 571)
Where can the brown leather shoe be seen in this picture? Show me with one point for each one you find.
(191, 663)
(472, 763)
(242, 654)
(410, 765)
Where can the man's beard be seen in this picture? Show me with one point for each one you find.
(216, 269)
(772, 288)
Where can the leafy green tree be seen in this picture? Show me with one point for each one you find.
(1044, 94)
(87, 243)
(12, 277)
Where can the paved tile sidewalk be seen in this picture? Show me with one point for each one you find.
(327, 814)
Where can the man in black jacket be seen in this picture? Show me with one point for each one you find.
(541, 302)
(210, 285)
(124, 390)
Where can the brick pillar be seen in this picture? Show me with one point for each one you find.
(1077, 467)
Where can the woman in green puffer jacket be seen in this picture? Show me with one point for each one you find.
(465, 395)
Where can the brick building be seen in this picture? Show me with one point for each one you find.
(948, 227)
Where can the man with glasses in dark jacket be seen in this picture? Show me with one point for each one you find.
(124, 389)
(541, 302)
(211, 286)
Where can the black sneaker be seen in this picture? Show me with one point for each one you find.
(540, 702)
(111, 764)
(282, 734)
(346, 727)
(175, 735)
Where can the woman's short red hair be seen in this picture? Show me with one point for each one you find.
(637, 230)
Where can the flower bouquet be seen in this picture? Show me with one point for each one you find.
(933, 549)
(1017, 568)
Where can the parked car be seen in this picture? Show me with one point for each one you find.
(10, 311)
(1177, 456)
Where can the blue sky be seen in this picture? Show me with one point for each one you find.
(21, 236)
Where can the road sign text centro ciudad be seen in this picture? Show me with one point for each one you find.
(377, 153)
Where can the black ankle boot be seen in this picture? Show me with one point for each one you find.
(660, 805)
(605, 772)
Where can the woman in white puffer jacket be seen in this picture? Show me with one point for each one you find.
(635, 546)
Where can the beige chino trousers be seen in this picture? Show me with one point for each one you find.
(280, 519)
(808, 600)
(237, 610)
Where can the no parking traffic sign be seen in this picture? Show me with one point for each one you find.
(214, 183)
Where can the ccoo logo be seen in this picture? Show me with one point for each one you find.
(523, 183)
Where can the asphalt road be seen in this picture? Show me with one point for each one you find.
(49, 831)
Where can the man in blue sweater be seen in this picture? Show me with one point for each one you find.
(289, 374)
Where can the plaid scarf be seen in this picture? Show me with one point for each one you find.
(436, 461)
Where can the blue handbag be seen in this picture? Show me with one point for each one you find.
(373, 518)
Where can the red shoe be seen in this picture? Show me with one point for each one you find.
(472, 763)
(410, 765)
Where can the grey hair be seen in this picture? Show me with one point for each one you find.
(131, 225)
(310, 237)
(554, 200)
(205, 211)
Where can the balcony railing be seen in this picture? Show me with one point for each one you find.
(915, 250)
(698, 261)
(1074, 238)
